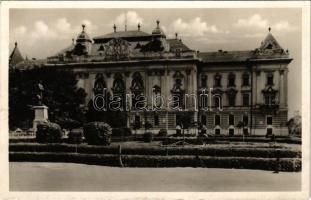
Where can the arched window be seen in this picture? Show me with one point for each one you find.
(119, 89)
(231, 80)
(137, 88)
(217, 101)
(100, 84)
(157, 95)
(178, 94)
(217, 80)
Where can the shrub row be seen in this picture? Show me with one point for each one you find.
(221, 151)
(285, 164)
(213, 140)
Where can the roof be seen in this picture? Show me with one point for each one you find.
(63, 51)
(270, 43)
(29, 64)
(15, 56)
(225, 56)
(177, 44)
(123, 34)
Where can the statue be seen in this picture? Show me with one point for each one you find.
(40, 95)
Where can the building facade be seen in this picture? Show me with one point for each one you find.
(228, 92)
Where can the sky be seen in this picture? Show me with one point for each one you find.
(43, 32)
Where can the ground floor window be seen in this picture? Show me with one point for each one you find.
(203, 119)
(245, 120)
(245, 131)
(137, 121)
(231, 132)
(269, 131)
(156, 120)
(217, 131)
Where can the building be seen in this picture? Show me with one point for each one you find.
(247, 90)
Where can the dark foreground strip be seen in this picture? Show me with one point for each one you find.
(284, 164)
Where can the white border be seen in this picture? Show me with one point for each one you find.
(4, 180)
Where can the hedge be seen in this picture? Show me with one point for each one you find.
(220, 151)
(192, 140)
(285, 164)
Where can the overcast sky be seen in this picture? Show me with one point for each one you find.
(43, 32)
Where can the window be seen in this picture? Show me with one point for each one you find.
(245, 131)
(231, 100)
(203, 119)
(204, 101)
(269, 120)
(245, 99)
(157, 95)
(231, 80)
(137, 88)
(270, 79)
(231, 132)
(245, 81)
(217, 80)
(156, 120)
(178, 94)
(245, 120)
(137, 122)
(204, 81)
(217, 120)
(217, 101)
(217, 131)
(231, 119)
(269, 99)
(269, 131)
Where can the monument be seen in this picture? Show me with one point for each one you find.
(40, 110)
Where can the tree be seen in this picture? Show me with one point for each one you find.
(60, 94)
(294, 124)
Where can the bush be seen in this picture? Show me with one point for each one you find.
(224, 151)
(285, 164)
(148, 137)
(162, 133)
(97, 133)
(121, 132)
(75, 137)
(48, 132)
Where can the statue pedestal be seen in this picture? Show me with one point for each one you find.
(41, 115)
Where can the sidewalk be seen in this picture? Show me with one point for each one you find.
(26, 176)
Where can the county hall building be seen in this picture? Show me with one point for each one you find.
(247, 90)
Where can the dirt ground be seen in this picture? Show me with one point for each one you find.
(27, 176)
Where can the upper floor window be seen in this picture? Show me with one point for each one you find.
(269, 99)
(245, 120)
(217, 120)
(204, 81)
(245, 79)
(269, 120)
(217, 101)
(270, 79)
(217, 80)
(231, 119)
(245, 99)
(231, 101)
(231, 80)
